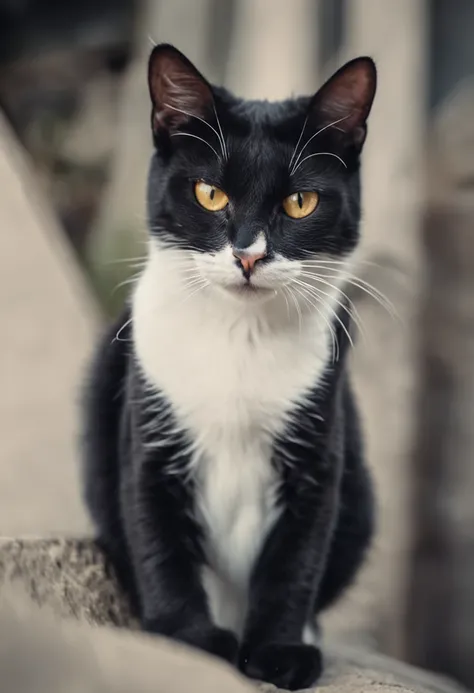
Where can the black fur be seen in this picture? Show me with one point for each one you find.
(144, 513)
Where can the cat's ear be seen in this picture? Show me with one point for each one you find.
(178, 91)
(345, 100)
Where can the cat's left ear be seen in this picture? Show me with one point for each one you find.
(178, 91)
(345, 100)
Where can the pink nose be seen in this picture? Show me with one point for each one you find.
(247, 260)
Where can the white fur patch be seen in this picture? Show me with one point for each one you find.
(259, 246)
(233, 371)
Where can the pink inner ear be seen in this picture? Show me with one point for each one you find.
(347, 98)
(178, 91)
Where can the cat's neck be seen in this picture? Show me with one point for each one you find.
(208, 338)
(168, 292)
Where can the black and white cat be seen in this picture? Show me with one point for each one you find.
(222, 461)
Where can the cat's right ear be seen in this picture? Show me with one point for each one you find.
(178, 91)
(344, 102)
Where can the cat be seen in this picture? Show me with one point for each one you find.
(223, 458)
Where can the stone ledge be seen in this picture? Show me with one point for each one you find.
(71, 579)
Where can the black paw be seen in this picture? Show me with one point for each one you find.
(285, 665)
(219, 642)
(216, 641)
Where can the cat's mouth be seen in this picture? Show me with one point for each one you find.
(248, 287)
(249, 291)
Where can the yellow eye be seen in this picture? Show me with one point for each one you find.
(300, 204)
(210, 197)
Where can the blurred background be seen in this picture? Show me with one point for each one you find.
(74, 151)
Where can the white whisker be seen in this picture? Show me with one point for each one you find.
(317, 292)
(347, 333)
(189, 283)
(356, 281)
(192, 277)
(370, 290)
(188, 134)
(326, 127)
(354, 313)
(178, 247)
(377, 295)
(224, 144)
(298, 143)
(126, 282)
(310, 156)
(322, 261)
(191, 115)
(286, 301)
(117, 336)
(202, 285)
(123, 260)
(334, 342)
(298, 309)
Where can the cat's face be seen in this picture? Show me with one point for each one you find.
(260, 197)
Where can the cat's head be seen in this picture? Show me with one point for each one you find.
(262, 198)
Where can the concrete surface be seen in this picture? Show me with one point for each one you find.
(72, 580)
(48, 323)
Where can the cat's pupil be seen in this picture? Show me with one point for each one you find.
(300, 200)
(212, 193)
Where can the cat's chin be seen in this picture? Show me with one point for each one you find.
(247, 293)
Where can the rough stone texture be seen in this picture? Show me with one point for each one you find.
(71, 579)
(43, 655)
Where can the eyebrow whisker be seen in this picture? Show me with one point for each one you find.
(201, 139)
(335, 122)
(191, 115)
(310, 156)
(298, 143)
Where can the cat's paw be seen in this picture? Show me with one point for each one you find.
(216, 641)
(219, 642)
(286, 665)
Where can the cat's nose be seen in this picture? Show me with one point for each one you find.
(247, 259)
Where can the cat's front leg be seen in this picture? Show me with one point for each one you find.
(283, 592)
(166, 558)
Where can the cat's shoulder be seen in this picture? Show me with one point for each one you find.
(113, 350)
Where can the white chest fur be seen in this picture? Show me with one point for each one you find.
(233, 379)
